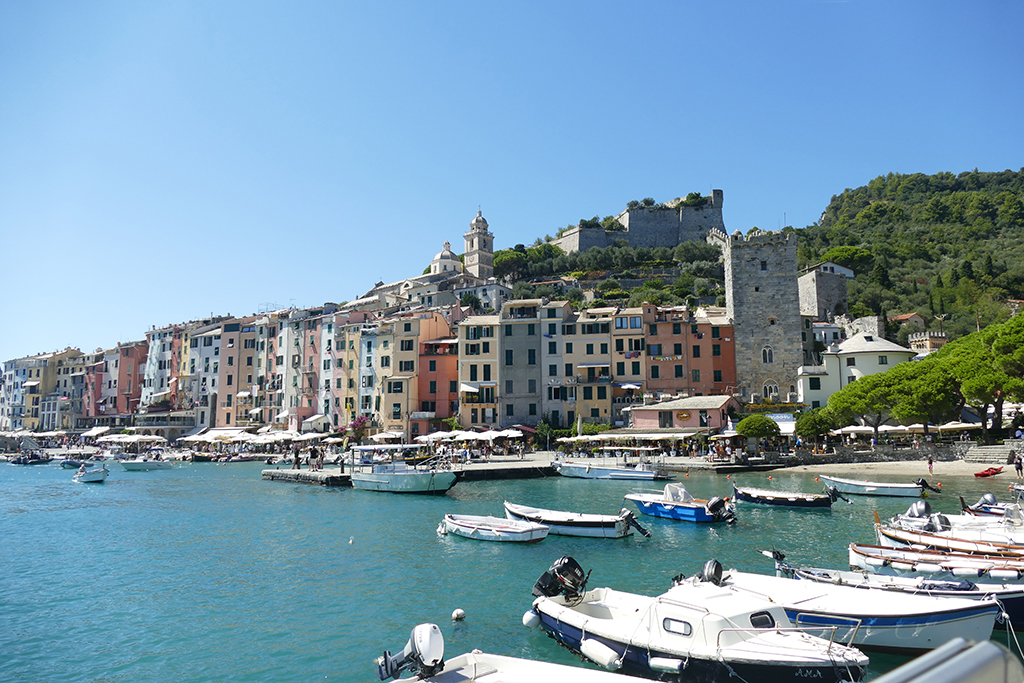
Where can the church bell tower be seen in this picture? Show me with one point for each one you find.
(479, 249)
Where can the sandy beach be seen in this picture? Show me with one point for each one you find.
(907, 468)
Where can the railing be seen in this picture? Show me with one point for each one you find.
(597, 379)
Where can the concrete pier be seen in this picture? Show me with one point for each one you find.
(328, 476)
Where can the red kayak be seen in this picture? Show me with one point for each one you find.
(989, 472)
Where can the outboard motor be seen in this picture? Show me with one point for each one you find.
(987, 499)
(938, 523)
(565, 576)
(712, 572)
(424, 652)
(630, 519)
(921, 509)
(834, 494)
(925, 485)
(720, 511)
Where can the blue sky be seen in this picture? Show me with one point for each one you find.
(161, 161)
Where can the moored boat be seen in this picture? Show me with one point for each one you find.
(484, 528)
(697, 631)
(424, 656)
(877, 620)
(585, 470)
(963, 539)
(675, 502)
(397, 477)
(145, 465)
(795, 499)
(877, 488)
(879, 559)
(1010, 597)
(577, 524)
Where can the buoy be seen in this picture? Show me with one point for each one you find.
(815, 479)
(351, 540)
(769, 477)
(939, 484)
(687, 474)
(728, 476)
(531, 619)
(458, 614)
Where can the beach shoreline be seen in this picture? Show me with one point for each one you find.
(912, 469)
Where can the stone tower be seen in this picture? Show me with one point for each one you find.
(763, 301)
(479, 249)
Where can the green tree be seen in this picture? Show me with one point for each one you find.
(855, 258)
(869, 398)
(758, 426)
(510, 264)
(814, 423)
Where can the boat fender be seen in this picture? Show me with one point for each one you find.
(967, 571)
(666, 665)
(927, 568)
(600, 654)
(1011, 574)
(902, 566)
(531, 619)
(875, 562)
(459, 614)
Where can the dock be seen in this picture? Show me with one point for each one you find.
(499, 468)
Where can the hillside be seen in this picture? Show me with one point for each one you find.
(937, 245)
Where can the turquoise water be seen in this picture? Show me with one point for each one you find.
(208, 573)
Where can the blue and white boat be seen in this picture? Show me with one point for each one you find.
(675, 502)
(702, 631)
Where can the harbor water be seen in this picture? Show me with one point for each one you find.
(208, 573)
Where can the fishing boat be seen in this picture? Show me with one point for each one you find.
(1011, 597)
(423, 655)
(877, 488)
(878, 559)
(919, 517)
(700, 630)
(576, 523)
(791, 499)
(93, 476)
(585, 470)
(144, 464)
(72, 464)
(397, 477)
(990, 472)
(484, 528)
(878, 620)
(675, 502)
(989, 506)
(1001, 540)
(33, 458)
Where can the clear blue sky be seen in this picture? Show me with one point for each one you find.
(160, 161)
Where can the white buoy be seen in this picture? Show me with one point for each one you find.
(351, 540)
(531, 619)
(458, 614)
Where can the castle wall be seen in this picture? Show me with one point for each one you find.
(762, 299)
(821, 293)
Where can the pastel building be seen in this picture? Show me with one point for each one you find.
(690, 352)
(694, 413)
(844, 363)
(478, 371)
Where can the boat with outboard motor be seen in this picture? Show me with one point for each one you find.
(424, 656)
(876, 620)
(919, 517)
(144, 464)
(1010, 597)
(877, 488)
(989, 506)
(675, 502)
(991, 540)
(578, 524)
(793, 499)
(94, 476)
(700, 630)
(434, 477)
(879, 559)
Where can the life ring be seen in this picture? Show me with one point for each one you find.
(683, 415)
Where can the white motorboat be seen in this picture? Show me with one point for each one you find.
(873, 619)
(93, 476)
(485, 528)
(576, 523)
(424, 655)
(398, 477)
(919, 517)
(877, 488)
(716, 632)
(145, 464)
(957, 540)
(1010, 597)
(585, 470)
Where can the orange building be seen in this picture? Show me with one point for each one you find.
(690, 352)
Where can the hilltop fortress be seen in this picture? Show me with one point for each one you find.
(664, 225)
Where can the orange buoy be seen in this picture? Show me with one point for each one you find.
(769, 477)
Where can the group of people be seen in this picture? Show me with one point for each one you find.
(314, 461)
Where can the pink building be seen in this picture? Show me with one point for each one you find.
(693, 413)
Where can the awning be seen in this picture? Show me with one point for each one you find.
(30, 384)
(628, 386)
(469, 388)
(96, 431)
(314, 418)
(283, 415)
(161, 393)
(172, 381)
(242, 394)
(255, 411)
(594, 365)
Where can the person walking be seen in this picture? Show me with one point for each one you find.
(1018, 464)
(931, 463)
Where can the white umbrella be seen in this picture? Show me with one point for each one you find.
(467, 436)
(490, 435)
(955, 426)
(512, 433)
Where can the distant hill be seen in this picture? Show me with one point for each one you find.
(932, 244)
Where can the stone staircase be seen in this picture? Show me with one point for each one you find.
(990, 455)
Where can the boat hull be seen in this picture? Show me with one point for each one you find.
(874, 488)
(494, 529)
(637, 661)
(682, 512)
(92, 476)
(145, 465)
(424, 483)
(579, 470)
(782, 498)
(571, 524)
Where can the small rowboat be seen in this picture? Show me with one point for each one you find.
(576, 523)
(792, 499)
(877, 559)
(485, 528)
(990, 472)
(95, 476)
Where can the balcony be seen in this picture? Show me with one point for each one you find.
(595, 379)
